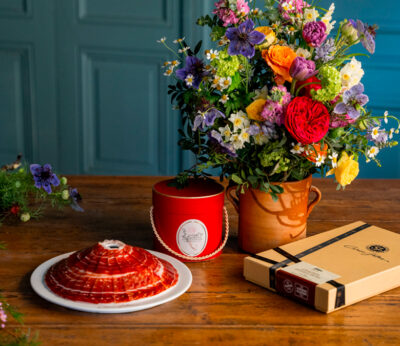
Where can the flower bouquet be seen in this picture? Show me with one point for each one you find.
(277, 99)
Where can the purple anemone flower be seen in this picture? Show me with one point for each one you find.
(44, 177)
(226, 148)
(367, 36)
(194, 67)
(75, 199)
(243, 39)
(352, 99)
(207, 118)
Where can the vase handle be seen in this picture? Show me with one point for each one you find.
(317, 198)
(234, 200)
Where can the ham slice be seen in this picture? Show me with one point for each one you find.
(110, 272)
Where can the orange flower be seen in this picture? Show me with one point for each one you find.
(314, 150)
(280, 58)
(255, 108)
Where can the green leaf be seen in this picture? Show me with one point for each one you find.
(197, 48)
(236, 179)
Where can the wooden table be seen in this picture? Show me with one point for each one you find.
(220, 307)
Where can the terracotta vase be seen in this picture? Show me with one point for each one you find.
(265, 224)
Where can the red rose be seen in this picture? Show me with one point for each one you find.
(307, 120)
(306, 90)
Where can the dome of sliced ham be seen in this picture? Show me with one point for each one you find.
(110, 272)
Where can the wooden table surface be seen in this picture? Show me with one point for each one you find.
(220, 307)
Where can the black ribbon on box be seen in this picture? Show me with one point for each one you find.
(340, 292)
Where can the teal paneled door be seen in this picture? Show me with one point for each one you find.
(81, 84)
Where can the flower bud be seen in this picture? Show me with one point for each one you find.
(63, 181)
(17, 184)
(302, 69)
(349, 32)
(65, 195)
(25, 217)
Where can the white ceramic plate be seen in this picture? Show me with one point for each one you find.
(184, 282)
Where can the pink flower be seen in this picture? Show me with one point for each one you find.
(273, 112)
(288, 7)
(229, 16)
(3, 317)
(340, 120)
(242, 7)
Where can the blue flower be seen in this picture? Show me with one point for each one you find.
(44, 177)
(226, 148)
(207, 118)
(243, 39)
(75, 198)
(352, 100)
(194, 68)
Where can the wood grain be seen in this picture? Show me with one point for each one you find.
(220, 307)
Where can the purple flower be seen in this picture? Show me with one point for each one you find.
(207, 118)
(268, 129)
(44, 177)
(254, 130)
(324, 52)
(314, 33)
(226, 148)
(195, 67)
(366, 35)
(75, 199)
(281, 95)
(352, 100)
(302, 69)
(243, 39)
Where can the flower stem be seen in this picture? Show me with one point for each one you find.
(293, 87)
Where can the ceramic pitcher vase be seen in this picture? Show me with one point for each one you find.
(265, 224)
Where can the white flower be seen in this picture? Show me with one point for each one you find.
(168, 72)
(385, 117)
(239, 120)
(310, 15)
(320, 160)
(223, 41)
(391, 133)
(174, 63)
(287, 6)
(162, 40)
(179, 40)
(226, 132)
(236, 141)
(297, 148)
(189, 80)
(212, 54)
(351, 73)
(225, 82)
(375, 132)
(245, 136)
(326, 19)
(183, 50)
(215, 83)
(165, 64)
(261, 93)
(372, 152)
(224, 99)
(333, 158)
(304, 53)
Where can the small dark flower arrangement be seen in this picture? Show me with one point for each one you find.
(26, 190)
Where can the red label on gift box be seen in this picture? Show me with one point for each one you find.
(295, 287)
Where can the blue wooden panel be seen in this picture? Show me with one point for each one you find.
(15, 8)
(153, 12)
(121, 128)
(15, 129)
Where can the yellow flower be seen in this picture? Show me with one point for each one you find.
(254, 109)
(346, 171)
(270, 37)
